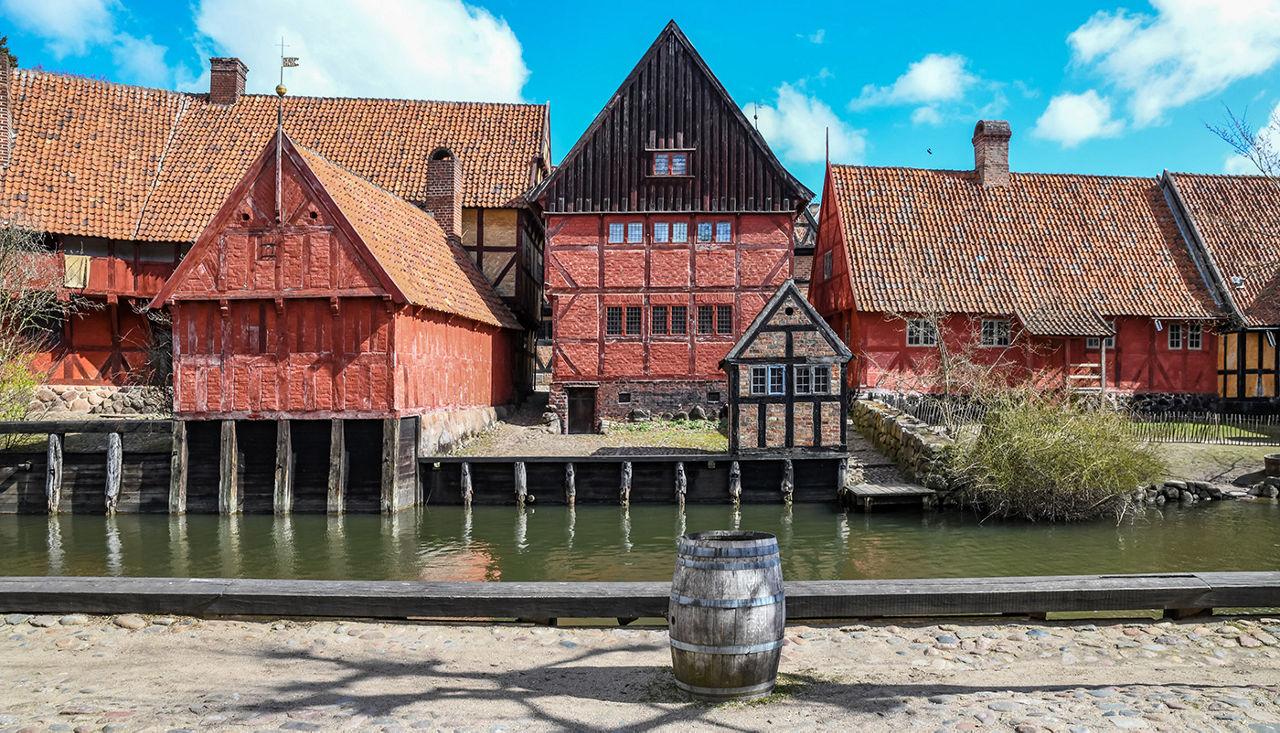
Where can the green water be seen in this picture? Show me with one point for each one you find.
(610, 543)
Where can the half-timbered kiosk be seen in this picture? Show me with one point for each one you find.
(316, 322)
(787, 386)
(669, 224)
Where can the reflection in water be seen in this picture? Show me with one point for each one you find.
(632, 543)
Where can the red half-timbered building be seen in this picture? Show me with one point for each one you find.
(669, 225)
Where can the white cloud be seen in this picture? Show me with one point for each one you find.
(141, 60)
(818, 36)
(934, 78)
(1188, 50)
(435, 49)
(1268, 144)
(1071, 119)
(68, 27)
(926, 116)
(796, 127)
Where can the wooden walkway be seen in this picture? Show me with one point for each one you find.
(806, 599)
(865, 496)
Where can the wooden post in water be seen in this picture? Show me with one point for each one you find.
(115, 456)
(788, 481)
(53, 480)
(625, 494)
(570, 489)
(465, 483)
(735, 482)
(682, 483)
(842, 475)
(522, 484)
(178, 469)
(228, 470)
(337, 467)
(283, 498)
(391, 502)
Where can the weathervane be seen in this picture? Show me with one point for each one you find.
(286, 62)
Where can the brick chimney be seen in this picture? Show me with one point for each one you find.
(444, 193)
(991, 152)
(6, 120)
(226, 80)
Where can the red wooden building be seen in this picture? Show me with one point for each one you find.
(669, 224)
(1074, 278)
(315, 294)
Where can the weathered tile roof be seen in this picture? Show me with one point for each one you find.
(1061, 250)
(410, 247)
(93, 158)
(1238, 221)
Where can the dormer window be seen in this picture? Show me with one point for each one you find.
(670, 164)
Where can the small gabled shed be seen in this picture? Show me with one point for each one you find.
(787, 386)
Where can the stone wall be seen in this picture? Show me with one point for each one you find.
(919, 450)
(56, 401)
(443, 431)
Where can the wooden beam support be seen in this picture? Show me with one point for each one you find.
(788, 481)
(337, 467)
(522, 483)
(735, 482)
(282, 500)
(682, 483)
(228, 470)
(390, 503)
(53, 478)
(178, 469)
(464, 481)
(570, 484)
(115, 457)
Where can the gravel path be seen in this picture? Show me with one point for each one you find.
(77, 673)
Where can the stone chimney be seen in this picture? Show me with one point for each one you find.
(991, 152)
(444, 193)
(226, 80)
(6, 119)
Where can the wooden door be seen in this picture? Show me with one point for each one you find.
(582, 410)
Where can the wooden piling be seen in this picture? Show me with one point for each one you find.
(682, 483)
(115, 457)
(53, 481)
(178, 469)
(788, 481)
(625, 492)
(570, 487)
(228, 470)
(393, 490)
(522, 483)
(282, 501)
(735, 482)
(337, 466)
(465, 482)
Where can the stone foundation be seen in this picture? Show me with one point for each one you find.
(54, 401)
(443, 431)
(918, 449)
(658, 399)
(1161, 402)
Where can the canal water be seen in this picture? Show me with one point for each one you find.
(612, 543)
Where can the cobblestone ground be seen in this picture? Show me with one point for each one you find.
(77, 673)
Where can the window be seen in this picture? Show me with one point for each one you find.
(680, 231)
(804, 380)
(813, 379)
(826, 266)
(724, 232)
(624, 398)
(1193, 336)
(922, 332)
(705, 315)
(759, 380)
(633, 320)
(1175, 335)
(821, 379)
(661, 231)
(670, 164)
(704, 231)
(1093, 342)
(995, 333)
(266, 250)
(679, 164)
(615, 233)
(724, 319)
(658, 319)
(713, 396)
(613, 321)
(777, 380)
(635, 232)
(679, 319)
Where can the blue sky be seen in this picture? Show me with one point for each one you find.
(1088, 88)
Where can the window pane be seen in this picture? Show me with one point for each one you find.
(1175, 336)
(615, 232)
(680, 232)
(724, 319)
(633, 320)
(679, 319)
(661, 164)
(723, 231)
(821, 379)
(660, 230)
(679, 164)
(704, 231)
(826, 266)
(777, 380)
(803, 377)
(1193, 336)
(635, 232)
(705, 314)
(613, 321)
(1092, 342)
(757, 380)
(658, 319)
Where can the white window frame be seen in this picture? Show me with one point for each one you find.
(817, 376)
(680, 231)
(1175, 336)
(998, 327)
(661, 231)
(1093, 343)
(922, 332)
(759, 380)
(777, 380)
(1195, 337)
(724, 232)
(635, 232)
(617, 232)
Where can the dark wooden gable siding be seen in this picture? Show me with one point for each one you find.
(671, 101)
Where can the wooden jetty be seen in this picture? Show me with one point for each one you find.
(865, 496)
(1175, 593)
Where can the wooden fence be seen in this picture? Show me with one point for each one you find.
(1207, 427)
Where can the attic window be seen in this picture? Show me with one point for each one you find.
(266, 250)
(244, 217)
(670, 164)
(314, 215)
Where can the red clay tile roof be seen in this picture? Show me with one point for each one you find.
(1238, 219)
(411, 247)
(94, 158)
(1062, 250)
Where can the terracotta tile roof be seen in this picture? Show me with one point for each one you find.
(95, 158)
(1062, 250)
(411, 247)
(1238, 220)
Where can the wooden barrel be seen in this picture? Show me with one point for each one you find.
(727, 615)
(1271, 464)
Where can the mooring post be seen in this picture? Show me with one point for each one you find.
(788, 481)
(178, 469)
(53, 482)
(337, 466)
(228, 470)
(115, 455)
(625, 494)
(522, 483)
(682, 482)
(465, 483)
(735, 482)
(842, 475)
(283, 498)
(392, 500)
(570, 489)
